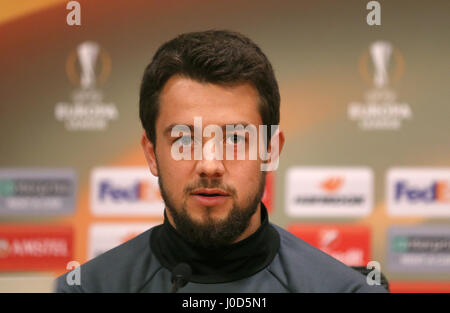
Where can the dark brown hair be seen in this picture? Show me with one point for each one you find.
(214, 56)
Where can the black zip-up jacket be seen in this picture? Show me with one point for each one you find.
(270, 260)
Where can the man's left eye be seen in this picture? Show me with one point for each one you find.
(235, 139)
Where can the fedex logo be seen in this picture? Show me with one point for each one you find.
(418, 192)
(437, 191)
(125, 191)
(137, 191)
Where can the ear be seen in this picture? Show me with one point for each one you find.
(149, 152)
(274, 151)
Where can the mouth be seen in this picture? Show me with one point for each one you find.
(210, 197)
(207, 192)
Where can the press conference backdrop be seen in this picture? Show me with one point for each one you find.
(364, 174)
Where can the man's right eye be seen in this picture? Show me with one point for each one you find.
(185, 140)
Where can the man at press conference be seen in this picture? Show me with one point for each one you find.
(216, 235)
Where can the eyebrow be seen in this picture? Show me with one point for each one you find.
(168, 130)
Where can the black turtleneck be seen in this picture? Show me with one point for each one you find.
(236, 261)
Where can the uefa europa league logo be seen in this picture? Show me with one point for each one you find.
(87, 66)
(87, 55)
(381, 52)
(380, 109)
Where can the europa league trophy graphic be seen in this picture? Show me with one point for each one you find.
(87, 55)
(381, 53)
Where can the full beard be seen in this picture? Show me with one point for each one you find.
(213, 233)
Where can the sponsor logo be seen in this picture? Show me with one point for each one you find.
(105, 236)
(125, 191)
(35, 247)
(380, 110)
(37, 191)
(317, 191)
(421, 244)
(419, 249)
(332, 184)
(135, 192)
(348, 244)
(419, 192)
(436, 191)
(87, 111)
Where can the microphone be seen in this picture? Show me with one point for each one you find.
(181, 274)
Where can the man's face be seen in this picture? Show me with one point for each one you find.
(210, 220)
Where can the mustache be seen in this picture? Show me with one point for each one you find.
(209, 183)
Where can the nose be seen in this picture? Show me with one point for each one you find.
(211, 163)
